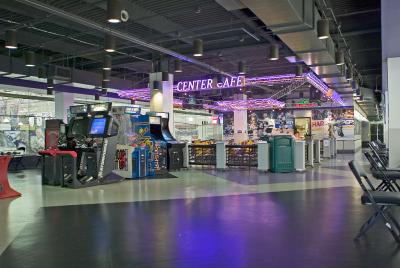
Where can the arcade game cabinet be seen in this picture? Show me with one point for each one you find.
(134, 157)
(160, 131)
(92, 134)
(55, 137)
(55, 133)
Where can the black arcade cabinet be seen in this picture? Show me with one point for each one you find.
(92, 134)
(160, 131)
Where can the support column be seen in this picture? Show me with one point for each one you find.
(240, 121)
(62, 101)
(162, 100)
(390, 10)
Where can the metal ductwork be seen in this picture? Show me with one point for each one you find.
(295, 23)
(117, 33)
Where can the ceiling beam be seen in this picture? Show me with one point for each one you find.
(360, 12)
(359, 32)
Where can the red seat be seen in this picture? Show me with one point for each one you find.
(5, 190)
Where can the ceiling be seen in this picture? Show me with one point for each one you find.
(228, 36)
(361, 26)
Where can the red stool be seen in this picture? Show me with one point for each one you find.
(5, 190)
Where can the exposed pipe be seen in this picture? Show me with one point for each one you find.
(119, 34)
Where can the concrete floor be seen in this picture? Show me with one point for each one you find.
(22, 216)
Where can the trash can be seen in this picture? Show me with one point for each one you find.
(282, 154)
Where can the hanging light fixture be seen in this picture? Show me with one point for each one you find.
(339, 57)
(109, 43)
(30, 59)
(349, 74)
(11, 39)
(104, 87)
(197, 47)
(220, 78)
(299, 70)
(106, 75)
(177, 66)
(323, 29)
(113, 11)
(50, 83)
(156, 85)
(42, 72)
(50, 86)
(274, 52)
(241, 68)
(164, 76)
(354, 85)
(107, 62)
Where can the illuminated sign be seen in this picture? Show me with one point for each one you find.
(304, 105)
(208, 84)
(132, 110)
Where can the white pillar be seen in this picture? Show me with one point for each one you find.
(221, 155)
(300, 155)
(62, 101)
(394, 111)
(263, 155)
(162, 100)
(310, 152)
(240, 121)
(390, 10)
(317, 146)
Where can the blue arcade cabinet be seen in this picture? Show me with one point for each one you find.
(135, 149)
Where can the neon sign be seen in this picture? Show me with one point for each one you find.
(207, 84)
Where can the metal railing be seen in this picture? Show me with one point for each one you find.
(202, 154)
(241, 155)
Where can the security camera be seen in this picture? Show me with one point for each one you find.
(124, 15)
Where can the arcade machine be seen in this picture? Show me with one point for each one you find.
(92, 134)
(134, 157)
(160, 131)
(55, 134)
(55, 137)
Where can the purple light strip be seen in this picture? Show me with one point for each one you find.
(321, 86)
(253, 104)
(144, 93)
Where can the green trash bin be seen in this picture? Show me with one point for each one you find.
(282, 154)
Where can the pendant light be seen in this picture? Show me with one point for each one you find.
(113, 11)
(354, 85)
(30, 59)
(11, 39)
(323, 29)
(106, 75)
(164, 76)
(177, 66)
(156, 85)
(109, 43)
(349, 74)
(241, 68)
(50, 83)
(104, 87)
(198, 48)
(299, 70)
(50, 86)
(274, 52)
(107, 62)
(42, 72)
(339, 57)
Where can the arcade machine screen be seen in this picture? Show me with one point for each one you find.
(79, 127)
(98, 126)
